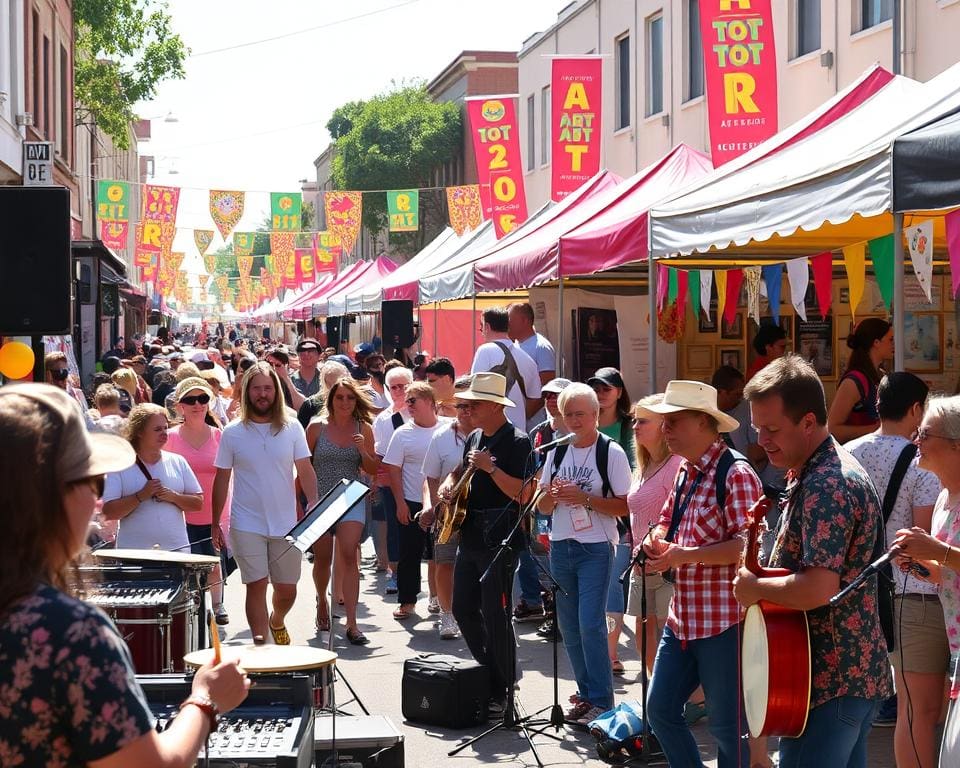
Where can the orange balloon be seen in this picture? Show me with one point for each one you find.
(16, 360)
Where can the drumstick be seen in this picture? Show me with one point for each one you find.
(215, 636)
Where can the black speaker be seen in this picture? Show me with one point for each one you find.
(333, 332)
(397, 320)
(34, 261)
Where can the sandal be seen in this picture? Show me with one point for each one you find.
(616, 666)
(356, 637)
(322, 622)
(280, 634)
(403, 613)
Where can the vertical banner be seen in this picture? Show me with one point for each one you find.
(464, 208)
(285, 211)
(496, 143)
(304, 259)
(344, 211)
(283, 249)
(160, 203)
(740, 70)
(575, 93)
(226, 209)
(326, 253)
(113, 234)
(822, 267)
(403, 207)
(113, 212)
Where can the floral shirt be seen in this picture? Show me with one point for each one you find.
(831, 519)
(68, 694)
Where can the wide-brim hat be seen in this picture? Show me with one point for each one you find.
(693, 396)
(191, 383)
(491, 387)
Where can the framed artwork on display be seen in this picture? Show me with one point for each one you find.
(708, 325)
(813, 341)
(733, 331)
(923, 342)
(731, 357)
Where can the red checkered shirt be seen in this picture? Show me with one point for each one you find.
(703, 604)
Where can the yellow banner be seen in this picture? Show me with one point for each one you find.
(720, 278)
(210, 263)
(203, 238)
(854, 261)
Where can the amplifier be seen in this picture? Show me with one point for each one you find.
(272, 727)
(372, 741)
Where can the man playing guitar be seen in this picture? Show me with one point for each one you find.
(830, 529)
(500, 453)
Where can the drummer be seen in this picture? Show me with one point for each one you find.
(150, 496)
(72, 697)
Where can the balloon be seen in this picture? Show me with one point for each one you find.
(16, 360)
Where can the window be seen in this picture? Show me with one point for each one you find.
(654, 65)
(545, 149)
(47, 90)
(693, 82)
(622, 63)
(63, 140)
(873, 12)
(806, 27)
(531, 135)
(36, 103)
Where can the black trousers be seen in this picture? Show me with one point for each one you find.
(482, 611)
(413, 540)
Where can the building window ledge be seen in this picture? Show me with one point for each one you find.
(809, 56)
(883, 26)
(692, 102)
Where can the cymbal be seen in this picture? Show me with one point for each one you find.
(156, 556)
(266, 658)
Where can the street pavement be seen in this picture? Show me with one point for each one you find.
(375, 670)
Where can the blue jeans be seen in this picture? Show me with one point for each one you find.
(836, 735)
(617, 592)
(681, 666)
(393, 525)
(583, 572)
(528, 579)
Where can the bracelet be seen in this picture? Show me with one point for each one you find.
(206, 705)
(946, 555)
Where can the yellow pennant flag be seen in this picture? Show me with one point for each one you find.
(202, 238)
(720, 278)
(854, 259)
(203, 279)
(210, 263)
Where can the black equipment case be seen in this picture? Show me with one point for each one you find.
(445, 691)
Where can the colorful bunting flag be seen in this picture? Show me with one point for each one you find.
(244, 265)
(682, 278)
(243, 243)
(720, 278)
(175, 260)
(202, 278)
(706, 285)
(113, 234)
(210, 263)
(672, 285)
(693, 280)
(464, 208)
(282, 247)
(751, 277)
(304, 258)
(403, 209)
(202, 238)
(952, 223)
(798, 275)
(772, 281)
(326, 252)
(881, 253)
(344, 211)
(822, 267)
(663, 283)
(285, 211)
(854, 262)
(226, 209)
(920, 243)
(160, 203)
(734, 281)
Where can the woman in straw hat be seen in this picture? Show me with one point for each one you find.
(71, 696)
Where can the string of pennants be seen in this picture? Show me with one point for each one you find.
(675, 286)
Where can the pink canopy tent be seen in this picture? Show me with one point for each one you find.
(299, 309)
(373, 271)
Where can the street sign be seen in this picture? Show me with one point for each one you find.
(38, 164)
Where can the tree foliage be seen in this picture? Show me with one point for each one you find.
(124, 50)
(393, 141)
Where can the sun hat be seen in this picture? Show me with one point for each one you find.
(491, 387)
(556, 386)
(309, 344)
(609, 376)
(81, 453)
(190, 383)
(693, 396)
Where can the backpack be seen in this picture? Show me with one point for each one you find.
(727, 459)
(603, 454)
(508, 369)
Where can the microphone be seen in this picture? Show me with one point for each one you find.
(565, 440)
(867, 572)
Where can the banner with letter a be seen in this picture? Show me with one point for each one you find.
(496, 143)
(575, 93)
(741, 75)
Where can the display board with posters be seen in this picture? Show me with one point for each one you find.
(596, 341)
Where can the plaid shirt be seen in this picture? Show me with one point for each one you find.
(703, 604)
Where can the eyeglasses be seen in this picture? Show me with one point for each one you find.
(923, 434)
(59, 374)
(203, 399)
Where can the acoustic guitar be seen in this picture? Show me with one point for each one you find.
(451, 514)
(775, 658)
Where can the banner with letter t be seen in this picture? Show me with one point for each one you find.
(575, 93)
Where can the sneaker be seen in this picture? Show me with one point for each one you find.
(886, 714)
(579, 709)
(448, 627)
(221, 615)
(590, 715)
(548, 629)
(524, 611)
(391, 586)
(433, 606)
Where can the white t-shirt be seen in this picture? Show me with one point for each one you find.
(382, 432)
(541, 350)
(444, 453)
(153, 522)
(407, 448)
(490, 355)
(573, 521)
(263, 474)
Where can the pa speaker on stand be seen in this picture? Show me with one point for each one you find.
(397, 321)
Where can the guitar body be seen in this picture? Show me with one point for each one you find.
(451, 514)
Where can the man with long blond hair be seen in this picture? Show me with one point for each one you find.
(264, 446)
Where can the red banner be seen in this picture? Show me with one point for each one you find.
(741, 75)
(113, 234)
(496, 143)
(575, 93)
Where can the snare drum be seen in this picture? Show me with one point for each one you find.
(158, 639)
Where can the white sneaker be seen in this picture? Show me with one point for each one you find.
(448, 627)
(434, 605)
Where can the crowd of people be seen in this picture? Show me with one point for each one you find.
(218, 447)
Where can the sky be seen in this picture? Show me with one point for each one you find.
(251, 115)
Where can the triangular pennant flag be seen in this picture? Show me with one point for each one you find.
(682, 278)
(734, 281)
(344, 211)
(952, 222)
(854, 262)
(822, 266)
(720, 278)
(210, 262)
(663, 281)
(693, 281)
(226, 209)
(203, 238)
(920, 243)
(798, 275)
(881, 253)
(772, 282)
(672, 286)
(751, 276)
(706, 284)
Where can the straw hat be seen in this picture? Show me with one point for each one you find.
(491, 387)
(693, 396)
(189, 384)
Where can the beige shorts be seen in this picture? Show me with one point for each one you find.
(259, 556)
(925, 647)
(659, 593)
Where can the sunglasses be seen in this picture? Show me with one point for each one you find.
(60, 374)
(96, 484)
(203, 399)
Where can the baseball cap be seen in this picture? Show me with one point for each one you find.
(366, 348)
(80, 453)
(556, 386)
(309, 344)
(609, 376)
(199, 356)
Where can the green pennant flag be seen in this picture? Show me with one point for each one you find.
(285, 211)
(693, 291)
(881, 252)
(403, 206)
(673, 286)
(243, 243)
(113, 199)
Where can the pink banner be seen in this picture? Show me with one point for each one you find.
(160, 203)
(734, 281)
(575, 92)
(740, 70)
(113, 234)
(822, 266)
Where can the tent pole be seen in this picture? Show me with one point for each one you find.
(652, 310)
(898, 303)
(436, 311)
(560, 348)
(474, 323)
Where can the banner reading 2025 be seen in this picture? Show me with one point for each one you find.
(575, 90)
(741, 75)
(496, 143)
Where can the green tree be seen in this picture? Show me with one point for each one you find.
(123, 50)
(395, 141)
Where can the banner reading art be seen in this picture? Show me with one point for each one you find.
(575, 93)
(344, 210)
(740, 70)
(493, 123)
(403, 209)
(285, 211)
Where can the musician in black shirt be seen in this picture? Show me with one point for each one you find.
(499, 453)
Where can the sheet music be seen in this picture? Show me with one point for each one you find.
(320, 518)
